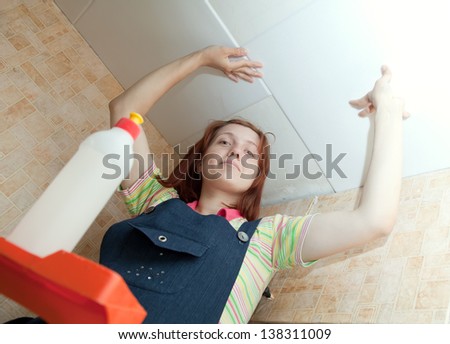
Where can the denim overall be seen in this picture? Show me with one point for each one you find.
(179, 264)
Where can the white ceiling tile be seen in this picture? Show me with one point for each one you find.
(247, 19)
(289, 177)
(140, 36)
(325, 55)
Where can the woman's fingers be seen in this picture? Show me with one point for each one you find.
(361, 103)
(243, 63)
(250, 72)
(247, 74)
(244, 76)
(235, 76)
(386, 73)
(232, 77)
(367, 111)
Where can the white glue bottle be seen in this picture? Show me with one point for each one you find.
(72, 201)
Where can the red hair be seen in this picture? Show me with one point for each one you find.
(187, 180)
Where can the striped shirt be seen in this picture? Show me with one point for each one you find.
(276, 244)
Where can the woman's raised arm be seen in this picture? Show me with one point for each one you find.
(376, 214)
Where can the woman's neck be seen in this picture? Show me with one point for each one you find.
(212, 202)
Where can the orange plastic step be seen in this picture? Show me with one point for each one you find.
(65, 288)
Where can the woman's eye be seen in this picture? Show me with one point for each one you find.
(224, 142)
(251, 154)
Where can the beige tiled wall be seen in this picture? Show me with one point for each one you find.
(54, 92)
(404, 278)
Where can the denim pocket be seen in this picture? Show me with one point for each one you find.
(158, 260)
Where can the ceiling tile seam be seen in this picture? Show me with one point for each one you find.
(231, 37)
(83, 11)
(280, 22)
(266, 87)
(303, 141)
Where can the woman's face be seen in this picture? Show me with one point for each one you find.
(231, 160)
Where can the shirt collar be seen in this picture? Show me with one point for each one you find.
(227, 213)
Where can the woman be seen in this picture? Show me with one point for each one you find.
(195, 250)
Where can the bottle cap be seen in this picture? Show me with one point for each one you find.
(136, 118)
(131, 125)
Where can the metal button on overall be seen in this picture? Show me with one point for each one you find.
(243, 237)
(162, 238)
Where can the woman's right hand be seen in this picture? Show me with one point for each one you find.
(223, 59)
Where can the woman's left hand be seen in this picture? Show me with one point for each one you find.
(223, 59)
(381, 96)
